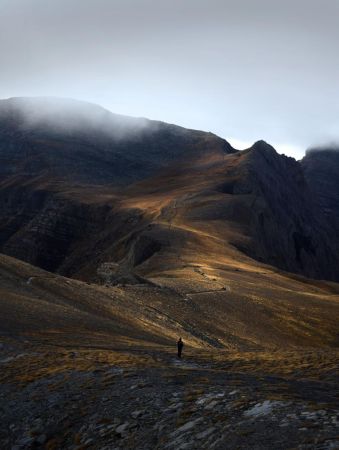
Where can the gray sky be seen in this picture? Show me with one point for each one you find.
(244, 69)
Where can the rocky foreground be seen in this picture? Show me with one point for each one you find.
(63, 397)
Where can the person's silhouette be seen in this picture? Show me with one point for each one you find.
(180, 345)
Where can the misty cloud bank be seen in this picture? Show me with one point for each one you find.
(245, 70)
(325, 147)
(79, 118)
(71, 116)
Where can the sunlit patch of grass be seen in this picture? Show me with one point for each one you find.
(33, 367)
(307, 363)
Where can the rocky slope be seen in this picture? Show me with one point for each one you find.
(63, 207)
(77, 398)
(85, 366)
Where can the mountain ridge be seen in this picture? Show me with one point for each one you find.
(66, 209)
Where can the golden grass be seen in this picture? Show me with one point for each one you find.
(30, 368)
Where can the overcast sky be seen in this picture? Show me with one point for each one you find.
(244, 69)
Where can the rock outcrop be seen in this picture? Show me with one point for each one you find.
(286, 225)
(321, 169)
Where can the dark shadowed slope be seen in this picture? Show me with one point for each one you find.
(83, 143)
(321, 168)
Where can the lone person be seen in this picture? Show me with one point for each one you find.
(180, 345)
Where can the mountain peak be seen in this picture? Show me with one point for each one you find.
(263, 146)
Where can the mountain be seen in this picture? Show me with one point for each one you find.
(82, 188)
(117, 236)
(321, 169)
(83, 143)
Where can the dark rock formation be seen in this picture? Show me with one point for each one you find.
(321, 169)
(286, 225)
(264, 197)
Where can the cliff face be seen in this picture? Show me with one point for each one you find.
(321, 169)
(287, 227)
(39, 227)
(87, 192)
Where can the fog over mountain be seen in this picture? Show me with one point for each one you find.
(83, 142)
(70, 116)
(327, 147)
(244, 69)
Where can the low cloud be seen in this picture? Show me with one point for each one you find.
(71, 116)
